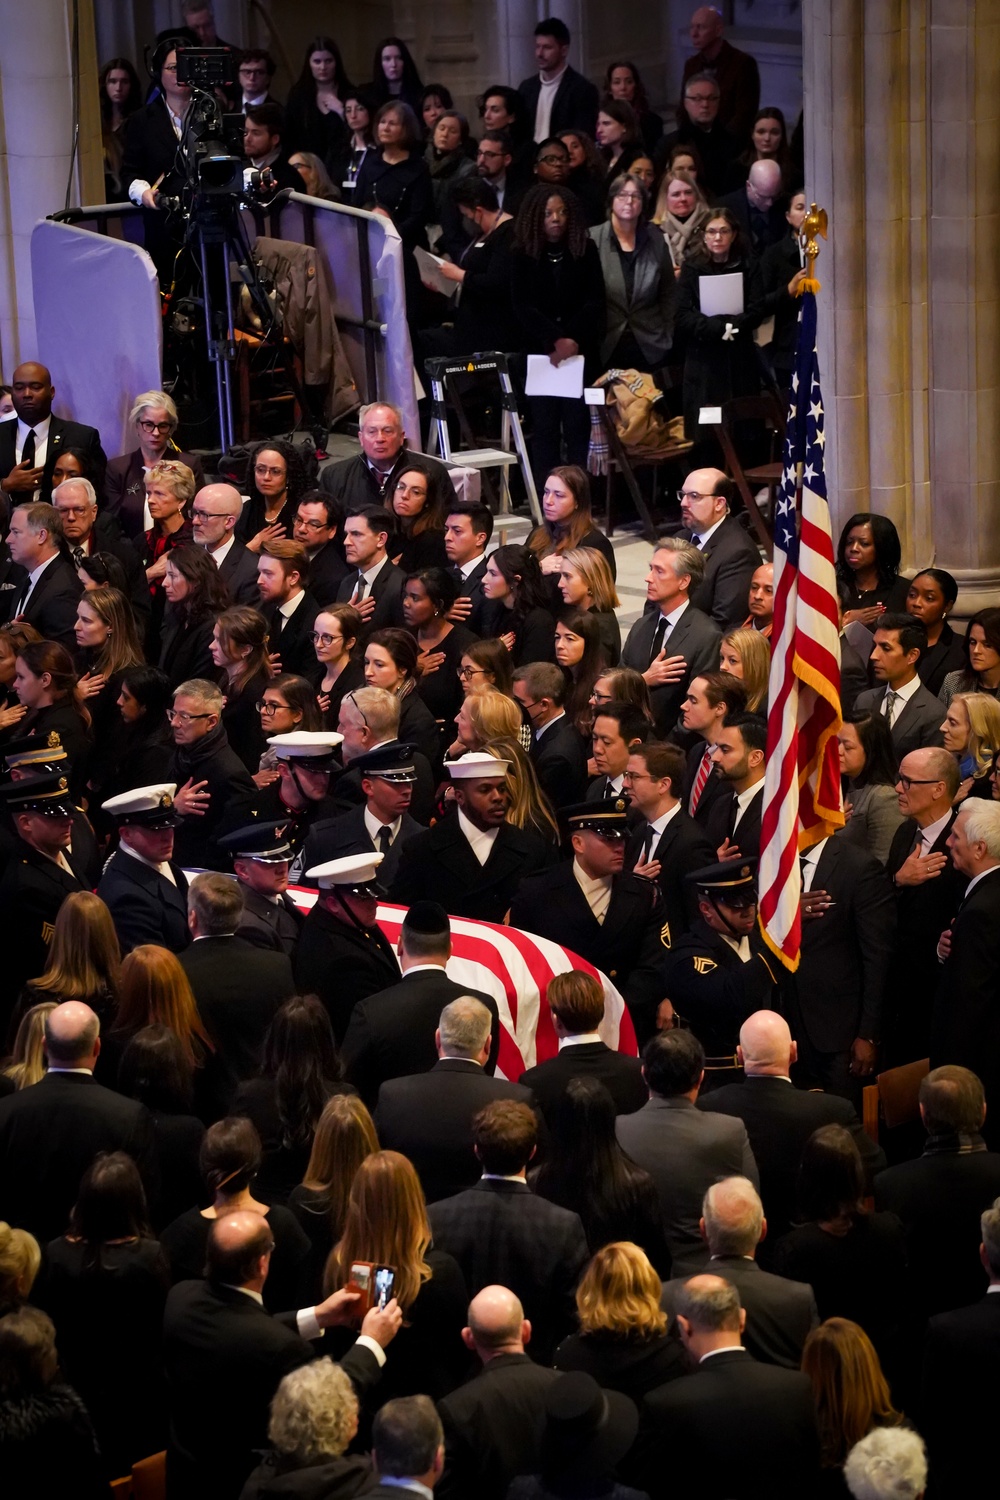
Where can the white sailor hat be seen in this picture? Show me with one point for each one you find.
(309, 748)
(354, 872)
(148, 806)
(477, 764)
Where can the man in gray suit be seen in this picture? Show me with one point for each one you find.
(668, 1137)
(676, 642)
(780, 1313)
(913, 713)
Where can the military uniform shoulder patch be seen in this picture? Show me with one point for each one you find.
(48, 932)
(665, 934)
(704, 965)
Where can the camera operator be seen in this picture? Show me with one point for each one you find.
(153, 133)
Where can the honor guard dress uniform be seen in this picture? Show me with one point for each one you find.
(343, 956)
(270, 917)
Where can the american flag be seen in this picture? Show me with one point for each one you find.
(802, 801)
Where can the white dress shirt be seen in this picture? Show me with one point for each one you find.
(743, 801)
(373, 825)
(41, 431)
(138, 185)
(33, 578)
(289, 607)
(307, 1323)
(977, 878)
(699, 538)
(902, 698)
(581, 1040)
(596, 889)
(163, 869)
(928, 837)
(221, 553)
(480, 840)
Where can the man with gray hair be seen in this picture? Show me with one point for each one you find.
(780, 1313)
(370, 477)
(428, 1117)
(407, 1446)
(735, 72)
(237, 986)
(47, 589)
(87, 531)
(965, 1021)
(891, 1464)
(51, 1132)
(961, 1367)
(209, 774)
(735, 1429)
(676, 642)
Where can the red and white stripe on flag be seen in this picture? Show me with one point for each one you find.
(515, 968)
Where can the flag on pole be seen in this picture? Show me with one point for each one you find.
(802, 801)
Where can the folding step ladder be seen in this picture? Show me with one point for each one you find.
(438, 371)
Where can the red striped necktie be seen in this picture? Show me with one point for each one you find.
(700, 780)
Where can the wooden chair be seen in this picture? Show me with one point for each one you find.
(269, 382)
(149, 1478)
(121, 1489)
(894, 1098)
(626, 462)
(765, 408)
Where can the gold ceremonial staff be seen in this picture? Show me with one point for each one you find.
(814, 223)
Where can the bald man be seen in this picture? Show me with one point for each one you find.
(50, 1133)
(735, 1428)
(493, 1424)
(215, 510)
(225, 1357)
(30, 446)
(735, 71)
(760, 206)
(780, 1118)
(731, 556)
(760, 601)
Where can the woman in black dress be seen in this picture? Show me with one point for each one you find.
(587, 585)
(394, 180)
(344, 164)
(108, 647)
(868, 557)
(197, 596)
(239, 651)
(427, 597)
(155, 1071)
(300, 1070)
(931, 596)
(345, 1136)
(420, 503)
(567, 525)
(335, 635)
(394, 74)
(520, 616)
(314, 113)
(104, 1285)
(276, 481)
(147, 744)
(622, 81)
(391, 663)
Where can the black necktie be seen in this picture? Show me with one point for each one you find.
(360, 588)
(28, 451)
(658, 635)
(384, 839)
(647, 844)
(277, 626)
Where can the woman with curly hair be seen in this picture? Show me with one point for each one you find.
(276, 481)
(720, 361)
(391, 662)
(344, 1137)
(567, 522)
(623, 1339)
(300, 1071)
(580, 652)
(851, 1394)
(520, 615)
(198, 596)
(239, 651)
(587, 586)
(314, 1416)
(387, 1224)
(558, 296)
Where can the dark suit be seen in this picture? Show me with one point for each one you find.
(186, 648)
(237, 989)
(50, 1134)
(734, 1430)
(428, 1117)
(965, 1020)
(213, 760)
(710, 986)
(493, 1428)
(628, 945)
(745, 835)
(681, 849)
(225, 1357)
(439, 865)
(561, 763)
(471, 588)
(836, 993)
(391, 1032)
(714, 788)
(779, 1119)
(620, 1075)
(761, 229)
(696, 637)
(51, 606)
(269, 924)
(573, 108)
(32, 889)
(731, 559)
(780, 1313)
(353, 481)
(922, 914)
(125, 491)
(327, 571)
(144, 906)
(917, 724)
(238, 571)
(502, 1234)
(853, 676)
(961, 1368)
(342, 964)
(386, 590)
(335, 838)
(292, 640)
(668, 1137)
(939, 1198)
(63, 434)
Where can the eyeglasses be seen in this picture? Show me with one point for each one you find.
(692, 495)
(156, 426)
(467, 672)
(311, 525)
(719, 234)
(636, 776)
(209, 515)
(907, 781)
(270, 709)
(628, 197)
(702, 98)
(324, 640)
(274, 473)
(179, 716)
(596, 697)
(555, 161)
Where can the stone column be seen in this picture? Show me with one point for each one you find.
(36, 146)
(903, 151)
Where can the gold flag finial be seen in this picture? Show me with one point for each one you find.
(814, 223)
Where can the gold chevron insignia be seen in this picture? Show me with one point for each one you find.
(705, 965)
